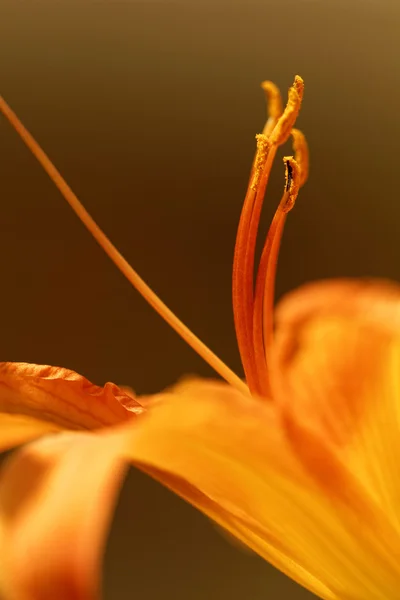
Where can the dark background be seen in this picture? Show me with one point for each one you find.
(150, 110)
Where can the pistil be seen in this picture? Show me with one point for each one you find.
(151, 297)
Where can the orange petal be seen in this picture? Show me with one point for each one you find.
(228, 455)
(338, 367)
(56, 501)
(36, 399)
(18, 429)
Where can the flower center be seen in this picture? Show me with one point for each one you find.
(252, 306)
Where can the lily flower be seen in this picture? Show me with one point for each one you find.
(299, 461)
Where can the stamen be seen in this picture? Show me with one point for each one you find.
(265, 285)
(263, 147)
(274, 105)
(284, 126)
(243, 267)
(244, 256)
(292, 182)
(132, 276)
(300, 148)
(274, 111)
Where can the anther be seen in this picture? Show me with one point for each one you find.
(274, 99)
(292, 183)
(283, 128)
(263, 146)
(300, 148)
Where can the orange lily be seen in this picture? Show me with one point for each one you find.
(300, 463)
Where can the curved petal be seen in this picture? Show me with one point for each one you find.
(56, 500)
(338, 367)
(37, 399)
(225, 453)
(228, 455)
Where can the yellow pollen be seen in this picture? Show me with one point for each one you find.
(263, 146)
(283, 128)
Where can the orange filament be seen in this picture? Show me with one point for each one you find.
(265, 285)
(154, 301)
(243, 265)
(253, 314)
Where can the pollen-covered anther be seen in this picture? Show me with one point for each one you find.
(283, 128)
(292, 183)
(298, 84)
(263, 146)
(301, 155)
(274, 99)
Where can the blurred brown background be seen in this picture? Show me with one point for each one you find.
(149, 109)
